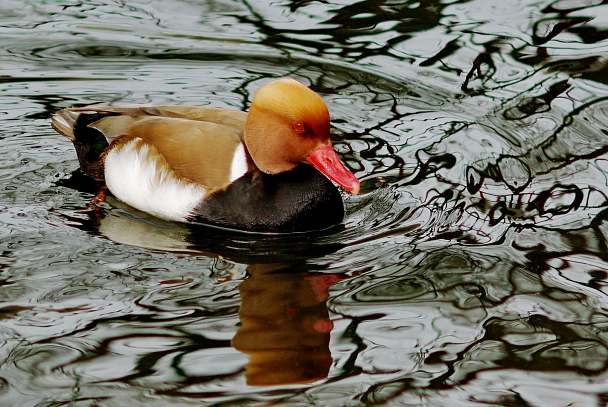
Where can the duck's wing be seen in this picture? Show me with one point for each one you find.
(202, 144)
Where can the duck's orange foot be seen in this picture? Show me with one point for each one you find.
(100, 196)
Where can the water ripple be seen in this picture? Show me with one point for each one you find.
(472, 268)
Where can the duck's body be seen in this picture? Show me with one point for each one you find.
(234, 169)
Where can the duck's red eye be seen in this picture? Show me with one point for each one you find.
(298, 127)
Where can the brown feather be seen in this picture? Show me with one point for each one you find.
(198, 143)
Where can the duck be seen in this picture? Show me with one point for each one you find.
(271, 169)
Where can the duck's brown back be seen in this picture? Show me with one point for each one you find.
(199, 143)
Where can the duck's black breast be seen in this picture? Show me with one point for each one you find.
(295, 201)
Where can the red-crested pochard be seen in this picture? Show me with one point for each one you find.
(249, 171)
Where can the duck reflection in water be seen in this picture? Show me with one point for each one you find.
(284, 322)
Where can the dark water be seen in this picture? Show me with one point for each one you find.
(472, 270)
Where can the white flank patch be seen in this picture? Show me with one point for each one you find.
(239, 166)
(139, 176)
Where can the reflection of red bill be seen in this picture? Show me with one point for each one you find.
(323, 325)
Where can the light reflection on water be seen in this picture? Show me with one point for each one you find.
(472, 270)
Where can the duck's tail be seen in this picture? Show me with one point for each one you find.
(64, 122)
(89, 142)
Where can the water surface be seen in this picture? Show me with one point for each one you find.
(472, 269)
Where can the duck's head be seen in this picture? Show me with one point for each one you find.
(288, 124)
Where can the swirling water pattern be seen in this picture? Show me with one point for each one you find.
(472, 269)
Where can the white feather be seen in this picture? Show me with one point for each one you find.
(239, 166)
(139, 176)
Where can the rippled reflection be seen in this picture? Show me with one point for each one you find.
(471, 270)
(285, 325)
